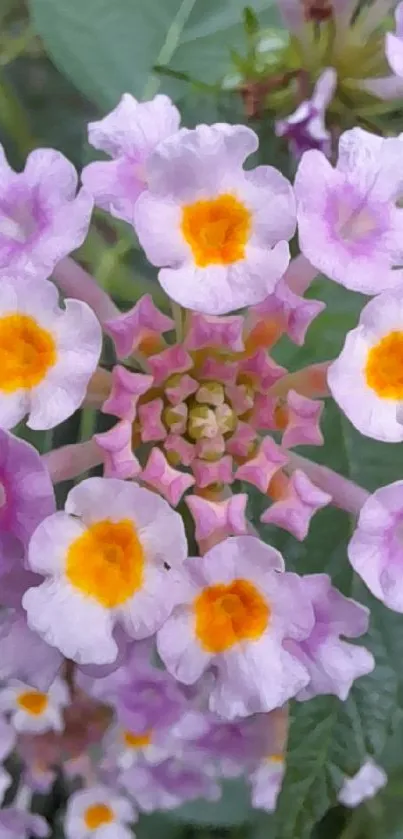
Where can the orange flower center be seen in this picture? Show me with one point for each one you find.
(276, 758)
(97, 815)
(228, 614)
(136, 741)
(107, 562)
(27, 352)
(384, 367)
(217, 230)
(33, 702)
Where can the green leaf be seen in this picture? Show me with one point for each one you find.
(108, 48)
(233, 808)
(330, 739)
(250, 21)
(156, 825)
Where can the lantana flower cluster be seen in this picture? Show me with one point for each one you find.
(143, 660)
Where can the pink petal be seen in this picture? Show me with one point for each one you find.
(183, 452)
(242, 441)
(172, 360)
(116, 447)
(152, 428)
(128, 330)
(168, 481)
(125, 392)
(209, 331)
(219, 472)
(180, 391)
(303, 421)
(221, 518)
(261, 468)
(300, 500)
(262, 370)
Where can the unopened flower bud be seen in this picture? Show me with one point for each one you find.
(210, 393)
(202, 423)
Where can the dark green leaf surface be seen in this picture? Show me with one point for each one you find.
(107, 48)
(231, 810)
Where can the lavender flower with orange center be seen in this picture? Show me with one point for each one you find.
(46, 362)
(237, 608)
(99, 812)
(105, 562)
(32, 710)
(218, 232)
(366, 380)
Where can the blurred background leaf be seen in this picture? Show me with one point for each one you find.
(108, 48)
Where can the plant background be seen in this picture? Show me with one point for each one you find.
(62, 63)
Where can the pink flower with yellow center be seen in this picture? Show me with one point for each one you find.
(125, 746)
(106, 562)
(219, 233)
(47, 353)
(32, 710)
(237, 608)
(366, 380)
(98, 813)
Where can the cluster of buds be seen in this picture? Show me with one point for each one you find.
(336, 64)
(202, 413)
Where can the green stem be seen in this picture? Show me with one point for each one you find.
(177, 314)
(170, 45)
(88, 422)
(16, 46)
(13, 119)
(110, 261)
(141, 361)
(352, 830)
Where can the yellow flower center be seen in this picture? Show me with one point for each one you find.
(107, 562)
(384, 367)
(136, 741)
(97, 815)
(27, 352)
(228, 614)
(276, 758)
(217, 230)
(33, 702)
